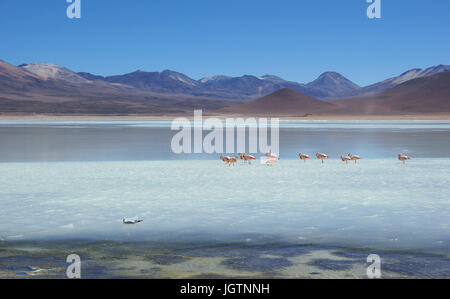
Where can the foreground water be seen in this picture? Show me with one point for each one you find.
(204, 219)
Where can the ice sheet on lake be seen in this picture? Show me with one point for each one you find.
(373, 203)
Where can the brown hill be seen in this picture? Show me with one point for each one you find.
(422, 95)
(282, 102)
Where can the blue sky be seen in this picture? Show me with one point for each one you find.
(294, 39)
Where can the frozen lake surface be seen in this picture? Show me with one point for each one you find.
(377, 202)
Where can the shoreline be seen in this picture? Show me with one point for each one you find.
(333, 117)
(157, 260)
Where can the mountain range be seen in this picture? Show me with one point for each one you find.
(429, 94)
(246, 87)
(50, 88)
(328, 86)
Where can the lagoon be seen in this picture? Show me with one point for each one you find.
(65, 182)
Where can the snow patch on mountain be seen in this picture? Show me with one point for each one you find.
(53, 71)
(214, 79)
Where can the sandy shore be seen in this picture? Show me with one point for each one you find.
(49, 117)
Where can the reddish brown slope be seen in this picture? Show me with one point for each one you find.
(282, 102)
(10, 72)
(423, 95)
(14, 79)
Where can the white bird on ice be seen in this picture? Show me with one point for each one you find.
(131, 221)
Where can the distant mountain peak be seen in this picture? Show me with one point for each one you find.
(411, 71)
(417, 73)
(436, 69)
(334, 76)
(53, 71)
(169, 72)
(179, 77)
(330, 74)
(334, 84)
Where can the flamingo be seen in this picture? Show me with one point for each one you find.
(354, 157)
(403, 158)
(249, 158)
(225, 159)
(346, 159)
(242, 157)
(304, 157)
(272, 156)
(322, 156)
(233, 161)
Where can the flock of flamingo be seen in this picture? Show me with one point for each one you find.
(273, 159)
(233, 160)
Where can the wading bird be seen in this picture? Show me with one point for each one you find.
(131, 221)
(354, 157)
(225, 159)
(322, 156)
(403, 158)
(233, 161)
(249, 158)
(304, 157)
(346, 159)
(272, 156)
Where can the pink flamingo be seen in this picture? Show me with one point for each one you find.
(346, 159)
(304, 157)
(233, 161)
(249, 158)
(242, 157)
(354, 157)
(271, 159)
(403, 158)
(322, 156)
(272, 156)
(225, 159)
